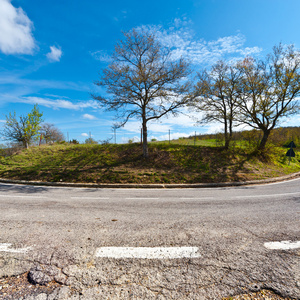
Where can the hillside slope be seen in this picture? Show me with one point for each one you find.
(124, 164)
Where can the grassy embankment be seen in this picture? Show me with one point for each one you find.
(174, 163)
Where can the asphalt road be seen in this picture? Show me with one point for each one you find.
(57, 233)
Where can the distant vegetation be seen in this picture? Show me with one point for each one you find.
(281, 136)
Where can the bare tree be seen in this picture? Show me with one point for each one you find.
(143, 81)
(269, 89)
(216, 95)
(51, 134)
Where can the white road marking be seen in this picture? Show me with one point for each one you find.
(283, 245)
(148, 252)
(5, 247)
(90, 198)
(23, 196)
(204, 198)
(138, 198)
(268, 195)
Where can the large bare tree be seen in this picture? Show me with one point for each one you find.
(269, 89)
(216, 95)
(143, 81)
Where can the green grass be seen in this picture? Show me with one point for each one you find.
(168, 163)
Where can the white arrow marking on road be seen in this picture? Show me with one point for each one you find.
(283, 245)
(148, 252)
(5, 247)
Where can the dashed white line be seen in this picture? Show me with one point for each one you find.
(148, 252)
(204, 198)
(24, 196)
(283, 245)
(138, 198)
(5, 247)
(91, 198)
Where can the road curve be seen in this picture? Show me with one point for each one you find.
(59, 231)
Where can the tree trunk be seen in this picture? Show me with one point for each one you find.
(26, 144)
(145, 142)
(226, 135)
(266, 133)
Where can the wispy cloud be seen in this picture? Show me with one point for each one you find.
(37, 84)
(58, 103)
(89, 117)
(55, 54)
(15, 30)
(183, 42)
(102, 56)
(173, 136)
(51, 103)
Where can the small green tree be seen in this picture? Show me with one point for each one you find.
(24, 130)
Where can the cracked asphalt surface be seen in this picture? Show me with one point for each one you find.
(63, 227)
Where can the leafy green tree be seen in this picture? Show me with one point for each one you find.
(143, 81)
(24, 130)
(269, 89)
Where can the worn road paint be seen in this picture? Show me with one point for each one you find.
(138, 198)
(283, 245)
(268, 195)
(90, 198)
(148, 252)
(24, 196)
(5, 247)
(203, 198)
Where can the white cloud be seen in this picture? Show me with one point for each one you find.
(53, 103)
(184, 43)
(133, 126)
(89, 117)
(173, 136)
(55, 54)
(134, 139)
(35, 85)
(56, 104)
(102, 56)
(84, 134)
(15, 30)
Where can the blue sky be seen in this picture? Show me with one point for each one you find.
(51, 52)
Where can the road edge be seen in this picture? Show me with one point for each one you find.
(154, 185)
